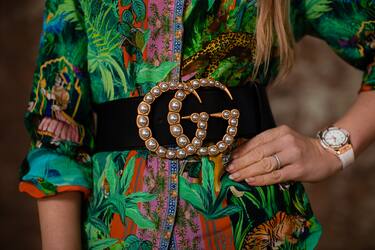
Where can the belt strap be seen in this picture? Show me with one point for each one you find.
(116, 120)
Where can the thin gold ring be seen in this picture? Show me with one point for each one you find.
(278, 161)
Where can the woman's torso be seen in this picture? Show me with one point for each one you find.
(94, 52)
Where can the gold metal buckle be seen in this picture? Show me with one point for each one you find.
(185, 146)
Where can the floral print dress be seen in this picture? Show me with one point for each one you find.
(92, 52)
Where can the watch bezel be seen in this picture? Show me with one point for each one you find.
(324, 142)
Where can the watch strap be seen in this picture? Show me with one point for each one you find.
(347, 158)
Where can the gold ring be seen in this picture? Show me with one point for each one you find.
(278, 161)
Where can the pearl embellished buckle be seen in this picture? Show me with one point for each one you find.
(185, 146)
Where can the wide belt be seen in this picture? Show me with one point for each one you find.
(118, 125)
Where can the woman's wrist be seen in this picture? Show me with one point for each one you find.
(336, 141)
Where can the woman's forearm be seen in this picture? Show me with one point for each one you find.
(360, 121)
(60, 221)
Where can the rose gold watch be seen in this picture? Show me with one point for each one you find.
(337, 141)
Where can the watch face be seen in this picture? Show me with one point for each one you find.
(335, 137)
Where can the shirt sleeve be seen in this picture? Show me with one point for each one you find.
(59, 117)
(349, 28)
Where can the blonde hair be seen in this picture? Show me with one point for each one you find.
(273, 25)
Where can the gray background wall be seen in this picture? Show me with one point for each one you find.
(319, 90)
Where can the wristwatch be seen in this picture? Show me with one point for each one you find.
(337, 141)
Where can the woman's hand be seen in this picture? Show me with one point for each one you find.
(301, 159)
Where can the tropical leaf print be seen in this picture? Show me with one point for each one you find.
(112, 198)
(134, 243)
(68, 10)
(202, 196)
(316, 8)
(139, 9)
(148, 73)
(126, 204)
(104, 50)
(102, 244)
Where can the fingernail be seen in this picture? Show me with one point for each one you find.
(234, 176)
(250, 179)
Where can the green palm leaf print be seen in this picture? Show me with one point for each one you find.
(202, 196)
(316, 8)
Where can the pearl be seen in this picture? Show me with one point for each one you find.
(180, 95)
(152, 144)
(143, 108)
(195, 84)
(156, 91)
(201, 133)
(176, 130)
(145, 133)
(235, 113)
(213, 150)
(204, 116)
(232, 131)
(217, 84)
(204, 82)
(194, 117)
(211, 83)
(164, 86)
(181, 153)
(149, 98)
(142, 120)
(182, 141)
(222, 146)
(202, 124)
(175, 105)
(203, 151)
(173, 118)
(161, 151)
(171, 153)
(196, 142)
(233, 122)
(228, 139)
(190, 149)
(226, 114)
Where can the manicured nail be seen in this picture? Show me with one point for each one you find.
(250, 179)
(234, 176)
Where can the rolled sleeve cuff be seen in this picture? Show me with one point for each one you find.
(50, 173)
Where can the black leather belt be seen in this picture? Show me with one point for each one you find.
(116, 120)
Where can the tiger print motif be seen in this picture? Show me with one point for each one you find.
(273, 233)
(220, 48)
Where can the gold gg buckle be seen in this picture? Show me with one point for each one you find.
(185, 146)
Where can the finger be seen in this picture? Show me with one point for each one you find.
(257, 154)
(263, 138)
(288, 173)
(264, 166)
